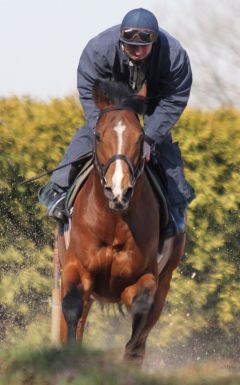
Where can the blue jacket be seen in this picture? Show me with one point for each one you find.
(169, 78)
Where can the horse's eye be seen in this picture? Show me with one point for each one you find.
(98, 137)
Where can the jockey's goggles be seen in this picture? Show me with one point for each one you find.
(137, 36)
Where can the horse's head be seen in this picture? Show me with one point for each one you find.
(118, 141)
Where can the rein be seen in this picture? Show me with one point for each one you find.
(48, 172)
(102, 168)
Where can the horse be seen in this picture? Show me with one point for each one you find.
(115, 228)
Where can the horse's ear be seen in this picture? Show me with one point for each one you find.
(143, 91)
(99, 96)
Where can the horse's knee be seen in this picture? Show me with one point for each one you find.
(72, 307)
(140, 294)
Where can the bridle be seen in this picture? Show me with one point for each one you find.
(135, 172)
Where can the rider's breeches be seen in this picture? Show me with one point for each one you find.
(179, 191)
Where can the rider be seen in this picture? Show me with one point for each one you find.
(134, 52)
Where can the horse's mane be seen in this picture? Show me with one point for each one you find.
(120, 94)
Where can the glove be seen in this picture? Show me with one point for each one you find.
(146, 151)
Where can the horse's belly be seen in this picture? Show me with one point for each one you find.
(107, 289)
(106, 297)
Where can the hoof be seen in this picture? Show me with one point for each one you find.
(133, 360)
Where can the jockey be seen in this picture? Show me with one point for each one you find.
(135, 52)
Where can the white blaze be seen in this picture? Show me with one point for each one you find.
(118, 172)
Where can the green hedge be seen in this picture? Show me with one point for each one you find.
(205, 290)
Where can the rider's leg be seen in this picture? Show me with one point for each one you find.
(177, 222)
(54, 193)
(179, 192)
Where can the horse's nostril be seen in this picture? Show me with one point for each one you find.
(108, 193)
(127, 193)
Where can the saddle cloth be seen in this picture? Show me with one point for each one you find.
(77, 184)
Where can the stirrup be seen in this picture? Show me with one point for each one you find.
(57, 209)
(53, 197)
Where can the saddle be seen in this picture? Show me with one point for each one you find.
(154, 176)
(77, 184)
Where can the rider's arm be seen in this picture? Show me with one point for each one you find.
(175, 92)
(92, 66)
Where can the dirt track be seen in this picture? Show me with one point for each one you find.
(167, 362)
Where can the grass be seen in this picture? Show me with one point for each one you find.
(80, 366)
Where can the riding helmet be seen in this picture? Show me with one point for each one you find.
(139, 19)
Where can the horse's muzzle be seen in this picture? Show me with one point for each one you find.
(120, 202)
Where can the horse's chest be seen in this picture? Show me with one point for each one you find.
(117, 268)
(123, 261)
(116, 252)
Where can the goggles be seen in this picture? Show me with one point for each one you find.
(137, 36)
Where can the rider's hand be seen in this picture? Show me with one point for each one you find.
(146, 151)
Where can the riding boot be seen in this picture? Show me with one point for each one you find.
(53, 194)
(176, 224)
(54, 198)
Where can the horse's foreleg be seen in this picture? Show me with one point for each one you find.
(72, 303)
(172, 250)
(135, 349)
(139, 298)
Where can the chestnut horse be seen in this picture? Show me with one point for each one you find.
(114, 238)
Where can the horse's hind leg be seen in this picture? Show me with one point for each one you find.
(80, 328)
(72, 303)
(72, 309)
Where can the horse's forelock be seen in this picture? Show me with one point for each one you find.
(136, 103)
(115, 91)
(120, 94)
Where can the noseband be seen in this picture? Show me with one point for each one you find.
(102, 168)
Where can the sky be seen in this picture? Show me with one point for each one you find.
(41, 41)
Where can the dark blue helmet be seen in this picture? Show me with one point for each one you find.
(139, 27)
